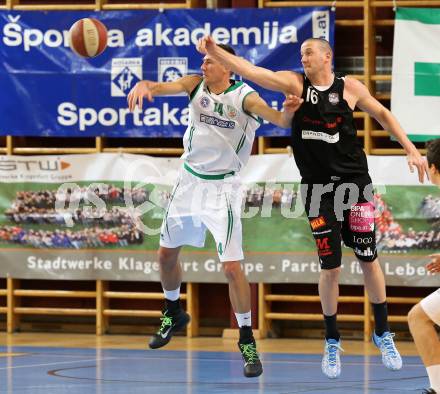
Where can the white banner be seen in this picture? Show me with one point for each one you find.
(415, 92)
(384, 170)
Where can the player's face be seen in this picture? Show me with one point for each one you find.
(434, 175)
(313, 58)
(212, 70)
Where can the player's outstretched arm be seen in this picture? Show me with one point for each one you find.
(287, 82)
(255, 104)
(366, 102)
(149, 89)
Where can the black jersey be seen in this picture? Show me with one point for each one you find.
(324, 139)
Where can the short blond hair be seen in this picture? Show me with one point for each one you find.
(324, 45)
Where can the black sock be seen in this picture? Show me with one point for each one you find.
(246, 335)
(331, 331)
(172, 306)
(381, 318)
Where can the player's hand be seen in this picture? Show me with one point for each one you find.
(415, 159)
(138, 92)
(292, 103)
(205, 45)
(434, 265)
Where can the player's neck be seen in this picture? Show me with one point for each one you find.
(219, 87)
(324, 78)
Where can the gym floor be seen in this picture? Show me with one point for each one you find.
(62, 363)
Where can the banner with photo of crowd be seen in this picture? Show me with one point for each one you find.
(47, 90)
(99, 216)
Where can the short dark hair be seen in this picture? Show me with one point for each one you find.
(227, 48)
(433, 153)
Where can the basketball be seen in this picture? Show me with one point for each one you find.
(88, 37)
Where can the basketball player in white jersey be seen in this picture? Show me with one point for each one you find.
(426, 314)
(223, 117)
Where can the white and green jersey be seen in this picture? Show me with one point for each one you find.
(220, 132)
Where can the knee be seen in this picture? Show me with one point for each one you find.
(232, 270)
(412, 316)
(369, 266)
(331, 274)
(416, 316)
(167, 257)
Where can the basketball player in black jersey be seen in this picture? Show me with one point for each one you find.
(336, 186)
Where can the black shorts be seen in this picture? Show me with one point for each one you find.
(337, 212)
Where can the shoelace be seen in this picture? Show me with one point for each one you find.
(388, 344)
(166, 322)
(332, 351)
(249, 351)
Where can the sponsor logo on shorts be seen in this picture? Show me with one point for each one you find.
(366, 252)
(362, 240)
(321, 232)
(323, 247)
(317, 223)
(361, 219)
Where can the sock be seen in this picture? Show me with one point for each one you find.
(331, 331)
(172, 300)
(244, 319)
(434, 376)
(381, 318)
(172, 295)
(246, 335)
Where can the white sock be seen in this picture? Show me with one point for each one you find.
(434, 377)
(244, 319)
(172, 295)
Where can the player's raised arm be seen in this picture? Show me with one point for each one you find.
(149, 89)
(366, 102)
(256, 105)
(287, 82)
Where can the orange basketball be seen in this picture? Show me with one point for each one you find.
(88, 37)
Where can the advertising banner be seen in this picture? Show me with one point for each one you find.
(47, 90)
(99, 216)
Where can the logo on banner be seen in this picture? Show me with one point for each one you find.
(126, 72)
(32, 165)
(321, 24)
(169, 69)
